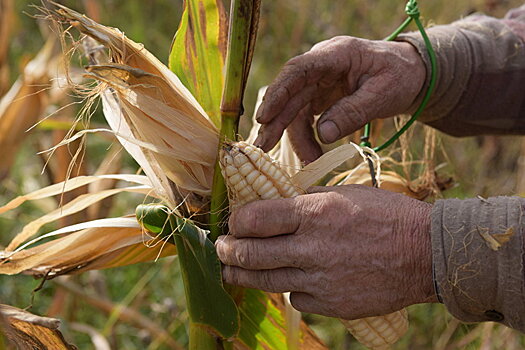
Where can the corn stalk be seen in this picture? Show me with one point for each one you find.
(244, 19)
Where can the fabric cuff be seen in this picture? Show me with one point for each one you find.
(477, 252)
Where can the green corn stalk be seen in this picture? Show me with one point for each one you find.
(244, 19)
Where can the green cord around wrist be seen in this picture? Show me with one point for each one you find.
(412, 10)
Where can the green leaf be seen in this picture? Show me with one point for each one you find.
(208, 302)
(198, 52)
(263, 323)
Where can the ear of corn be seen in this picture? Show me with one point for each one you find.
(250, 174)
(380, 332)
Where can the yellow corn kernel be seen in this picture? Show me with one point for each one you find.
(250, 174)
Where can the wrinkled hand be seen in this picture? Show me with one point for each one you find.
(347, 251)
(351, 81)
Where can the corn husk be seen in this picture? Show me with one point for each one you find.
(148, 103)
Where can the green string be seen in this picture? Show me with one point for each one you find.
(412, 11)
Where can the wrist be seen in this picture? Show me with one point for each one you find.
(418, 73)
(420, 276)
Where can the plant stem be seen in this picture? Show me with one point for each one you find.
(244, 19)
(219, 194)
(244, 16)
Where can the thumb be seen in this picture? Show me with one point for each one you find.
(348, 115)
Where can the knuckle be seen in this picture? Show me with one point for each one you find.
(243, 254)
(252, 218)
(229, 275)
(353, 109)
(267, 282)
(245, 219)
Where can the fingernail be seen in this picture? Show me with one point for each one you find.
(328, 131)
(260, 112)
(258, 142)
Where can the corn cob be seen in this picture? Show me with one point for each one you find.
(250, 174)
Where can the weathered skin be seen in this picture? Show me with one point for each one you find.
(332, 252)
(350, 81)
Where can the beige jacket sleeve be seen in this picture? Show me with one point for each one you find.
(477, 244)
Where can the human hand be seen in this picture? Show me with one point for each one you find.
(350, 81)
(347, 251)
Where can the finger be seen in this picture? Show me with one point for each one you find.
(290, 80)
(319, 189)
(313, 68)
(304, 302)
(302, 137)
(328, 97)
(270, 133)
(265, 218)
(273, 281)
(260, 254)
(351, 113)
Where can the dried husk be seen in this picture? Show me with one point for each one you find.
(28, 331)
(148, 103)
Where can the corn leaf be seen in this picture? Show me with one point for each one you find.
(98, 244)
(198, 52)
(28, 331)
(263, 323)
(72, 207)
(208, 302)
(71, 184)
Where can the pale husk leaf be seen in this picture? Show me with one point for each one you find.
(102, 244)
(74, 206)
(157, 110)
(72, 184)
(319, 168)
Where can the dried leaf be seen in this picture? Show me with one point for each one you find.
(99, 244)
(74, 206)
(496, 240)
(388, 180)
(28, 331)
(72, 184)
(324, 164)
(156, 108)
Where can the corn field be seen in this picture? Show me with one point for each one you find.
(113, 130)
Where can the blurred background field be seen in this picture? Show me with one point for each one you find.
(91, 304)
